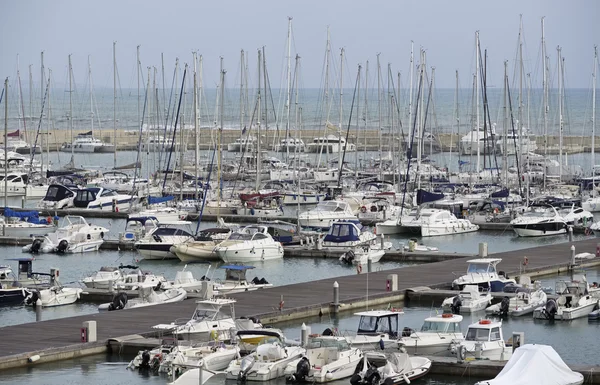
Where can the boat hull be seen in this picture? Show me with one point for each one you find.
(539, 229)
(250, 254)
(13, 296)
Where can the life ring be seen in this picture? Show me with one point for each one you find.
(447, 315)
(485, 322)
(358, 268)
(363, 209)
(496, 210)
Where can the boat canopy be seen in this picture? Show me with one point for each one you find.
(500, 193)
(28, 216)
(154, 200)
(426, 196)
(342, 232)
(57, 192)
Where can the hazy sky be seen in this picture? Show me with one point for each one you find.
(446, 29)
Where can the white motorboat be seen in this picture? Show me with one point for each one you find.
(147, 296)
(482, 272)
(57, 196)
(327, 212)
(25, 224)
(436, 222)
(435, 336)
(377, 209)
(100, 198)
(137, 227)
(157, 243)
(74, 236)
(202, 248)
(515, 142)
(134, 281)
(470, 299)
(524, 302)
(540, 221)
(207, 322)
(327, 358)
(535, 364)
(85, 142)
(576, 216)
(267, 362)
(574, 301)
(347, 234)
(478, 139)
(235, 280)
(290, 145)
(214, 355)
(414, 246)
(25, 276)
(483, 340)
(249, 244)
(330, 144)
(184, 279)
(389, 368)
(107, 275)
(377, 329)
(162, 214)
(361, 255)
(11, 291)
(245, 143)
(56, 295)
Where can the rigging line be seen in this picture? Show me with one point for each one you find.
(348, 129)
(175, 126)
(37, 135)
(205, 192)
(519, 152)
(164, 137)
(139, 146)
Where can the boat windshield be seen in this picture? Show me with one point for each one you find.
(208, 315)
(476, 334)
(240, 237)
(479, 268)
(440, 327)
(373, 324)
(339, 344)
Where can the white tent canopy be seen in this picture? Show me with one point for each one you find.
(535, 364)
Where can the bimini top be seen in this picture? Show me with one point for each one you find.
(379, 313)
(446, 317)
(487, 261)
(343, 232)
(236, 267)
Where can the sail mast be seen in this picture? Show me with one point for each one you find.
(289, 88)
(477, 100)
(115, 103)
(341, 113)
(545, 86)
(70, 105)
(257, 185)
(560, 112)
(594, 110)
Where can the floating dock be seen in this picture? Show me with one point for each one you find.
(60, 338)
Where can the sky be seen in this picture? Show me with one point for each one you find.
(175, 28)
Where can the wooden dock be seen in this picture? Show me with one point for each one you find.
(18, 342)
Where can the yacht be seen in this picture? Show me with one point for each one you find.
(23, 224)
(470, 299)
(436, 222)
(524, 302)
(136, 228)
(267, 362)
(540, 221)
(576, 216)
(100, 198)
(391, 368)
(236, 282)
(249, 244)
(56, 295)
(291, 145)
(574, 301)
(107, 275)
(482, 272)
(19, 184)
(525, 142)
(347, 234)
(435, 336)
(57, 197)
(325, 214)
(327, 358)
(330, 144)
(377, 329)
(87, 143)
(147, 296)
(245, 144)
(74, 236)
(202, 247)
(477, 139)
(157, 243)
(483, 340)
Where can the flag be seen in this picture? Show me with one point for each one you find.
(462, 162)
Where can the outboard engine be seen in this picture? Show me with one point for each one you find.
(347, 257)
(255, 280)
(119, 301)
(36, 246)
(327, 332)
(456, 304)
(550, 309)
(263, 281)
(504, 307)
(245, 366)
(32, 298)
(302, 369)
(63, 245)
(406, 332)
(372, 376)
(145, 364)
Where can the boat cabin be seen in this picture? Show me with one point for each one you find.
(236, 273)
(172, 229)
(343, 232)
(137, 227)
(442, 323)
(378, 322)
(85, 196)
(250, 233)
(570, 291)
(210, 309)
(485, 331)
(58, 193)
(212, 234)
(483, 265)
(333, 206)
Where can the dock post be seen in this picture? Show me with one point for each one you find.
(572, 254)
(111, 287)
(382, 242)
(570, 233)
(336, 297)
(38, 310)
(483, 250)
(303, 335)
(369, 263)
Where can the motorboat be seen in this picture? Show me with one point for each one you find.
(327, 358)
(484, 340)
(415, 247)
(391, 368)
(435, 336)
(535, 364)
(25, 276)
(540, 221)
(100, 198)
(139, 279)
(235, 280)
(19, 183)
(213, 356)
(184, 279)
(107, 276)
(576, 216)
(515, 142)
(482, 272)
(23, 224)
(245, 144)
(525, 301)
(147, 296)
(377, 209)
(470, 299)
(267, 362)
(478, 141)
(377, 329)
(202, 248)
(249, 244)
(347, 234)
(436, 222)
(291, 145)
(136, 228)
(208, 322)
(86, 143)
(574, 301)
(11, 292)
(57, 196)
(56, 295)
(330, 144)
(157, 243)
(327, 212)
(361, 255)
(74, 236)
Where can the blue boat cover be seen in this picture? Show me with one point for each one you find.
(236, 267)
(500, 194)
(342, 232)
(155, 200)
(426, 196)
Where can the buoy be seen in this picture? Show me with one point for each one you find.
(525, 261)
(33, 358)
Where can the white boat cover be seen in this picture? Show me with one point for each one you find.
(535, 364)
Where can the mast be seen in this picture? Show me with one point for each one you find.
(115, 102)
(91, 92)
(327, 101)
(410, 99)
(560, 112)
(257, 185)
(341, 116)
(183, 143)
(421, 119)
(289, 88)
(5, 149)
(545, 86)
(219, 134)
(366, 108)
(70, 105)
(594, 110)
(505, 134)
(477, 100)
(196, 158)
(137, 56)
(457, 120)
(380, 134)
(519, 152)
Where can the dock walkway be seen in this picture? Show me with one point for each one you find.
(299, 300)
